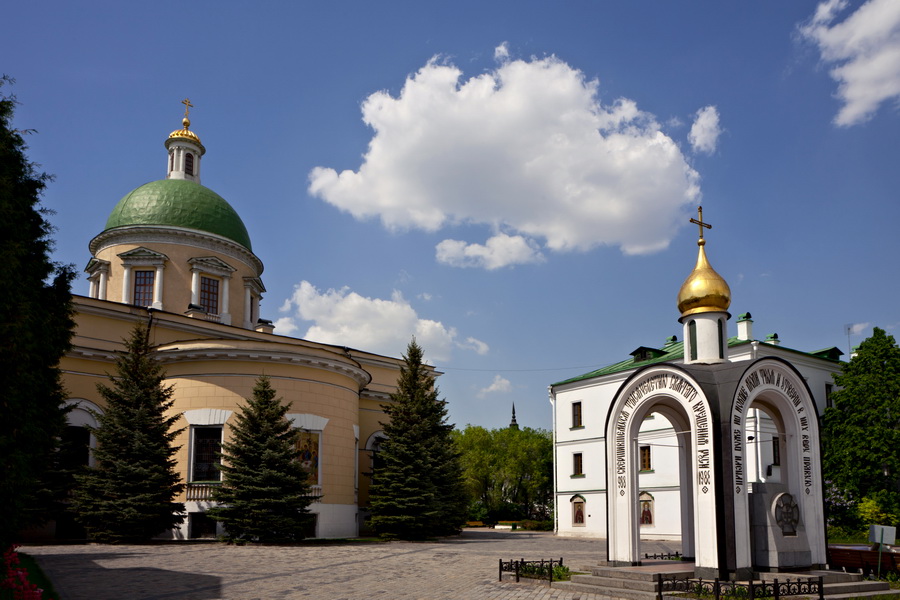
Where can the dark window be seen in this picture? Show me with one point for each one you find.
(207, 444)
(577, 464)
(201, 525)
(692, 336)
(189, 163)
(143, 287)
(828, 389)
(645, 459)
(776, 451)
(576, 414)
(75, 447)
(209, 295)
(721, 338)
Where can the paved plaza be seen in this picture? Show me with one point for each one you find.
(460, 568)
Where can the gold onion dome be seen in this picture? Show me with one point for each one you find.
(704, 290)
(186, 133)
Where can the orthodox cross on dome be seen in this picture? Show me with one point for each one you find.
(187, 106)
(699, 221)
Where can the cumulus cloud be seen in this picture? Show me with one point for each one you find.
(499, 385)
(705, 131)
(863, 52)
(501, 52)
(527, 149)
(499, 251)
(345, 318)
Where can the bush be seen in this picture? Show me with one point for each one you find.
(536, 525)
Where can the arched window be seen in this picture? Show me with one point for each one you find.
(577, 510)
(189, 163)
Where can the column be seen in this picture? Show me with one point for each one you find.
(104, 280)
(126, 284)
(248, 308)
(92, 293)
(225, 313)
(158, 288)
(195, 287)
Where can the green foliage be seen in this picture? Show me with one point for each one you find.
(508, 472)
(129, 495)
(861, 432)
(878, 509)
(265, 495)
(417, 489)
(35, 330)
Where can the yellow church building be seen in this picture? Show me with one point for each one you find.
(176, 256)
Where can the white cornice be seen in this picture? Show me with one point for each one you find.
(286, 357)
(149, 234)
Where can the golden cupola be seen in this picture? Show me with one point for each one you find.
(704, 290)
(185, 132)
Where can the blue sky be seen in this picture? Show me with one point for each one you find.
(509, 181)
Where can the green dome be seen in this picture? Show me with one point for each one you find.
(179, 203)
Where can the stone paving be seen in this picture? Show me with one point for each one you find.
(461, 568)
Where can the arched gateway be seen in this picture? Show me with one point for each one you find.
(730, 526)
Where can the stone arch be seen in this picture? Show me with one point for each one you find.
(672, 392)
(777, 387)
(83, 414)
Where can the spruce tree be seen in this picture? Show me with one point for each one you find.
(35, 333)
(861, 434)
(129, 495)
(265, 494)
(417, 489)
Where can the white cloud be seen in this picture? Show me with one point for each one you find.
(476, 345)
(863, 52)
(425, 296)
(345, 318)
(527, 149)
(499, 385)
(705, 131)
(857, 328)
(501, 52)
(499, 251)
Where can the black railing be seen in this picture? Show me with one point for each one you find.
(666, 556)
(533, 569)
(750, 591)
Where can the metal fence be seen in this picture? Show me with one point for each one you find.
(750, 591)
(533, 569)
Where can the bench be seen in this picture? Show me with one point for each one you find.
(853, 560)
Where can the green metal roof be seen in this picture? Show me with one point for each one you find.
(674, 351)
(179, 203)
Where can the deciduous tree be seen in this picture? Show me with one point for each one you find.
(129, 495)
(861, 431)
(265, 494)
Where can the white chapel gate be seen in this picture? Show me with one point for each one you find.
(778, 524)
(672, 392)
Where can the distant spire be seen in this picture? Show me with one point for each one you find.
(512, 423)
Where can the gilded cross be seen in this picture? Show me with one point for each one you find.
(187, 106)
(699, 221)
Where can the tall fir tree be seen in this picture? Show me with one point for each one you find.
(861, 434)
(36, 330)
(417, 485)
(265, 493)
(129, 495)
